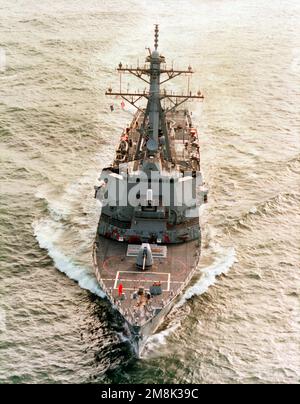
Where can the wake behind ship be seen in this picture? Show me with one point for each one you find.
(148, 239)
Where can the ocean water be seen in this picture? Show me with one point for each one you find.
(239, 321)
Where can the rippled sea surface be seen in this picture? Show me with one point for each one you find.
(240, 319)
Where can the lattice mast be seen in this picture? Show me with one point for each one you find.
(154, 115)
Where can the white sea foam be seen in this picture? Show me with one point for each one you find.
(223, 263)
(159, 339)
(63, 205)
(59, 208)
(48, 233)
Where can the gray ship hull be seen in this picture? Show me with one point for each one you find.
(148, 239)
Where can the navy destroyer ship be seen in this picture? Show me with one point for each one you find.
(148, 239)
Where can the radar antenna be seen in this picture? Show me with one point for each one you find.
(154, 115)
(156, 36)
